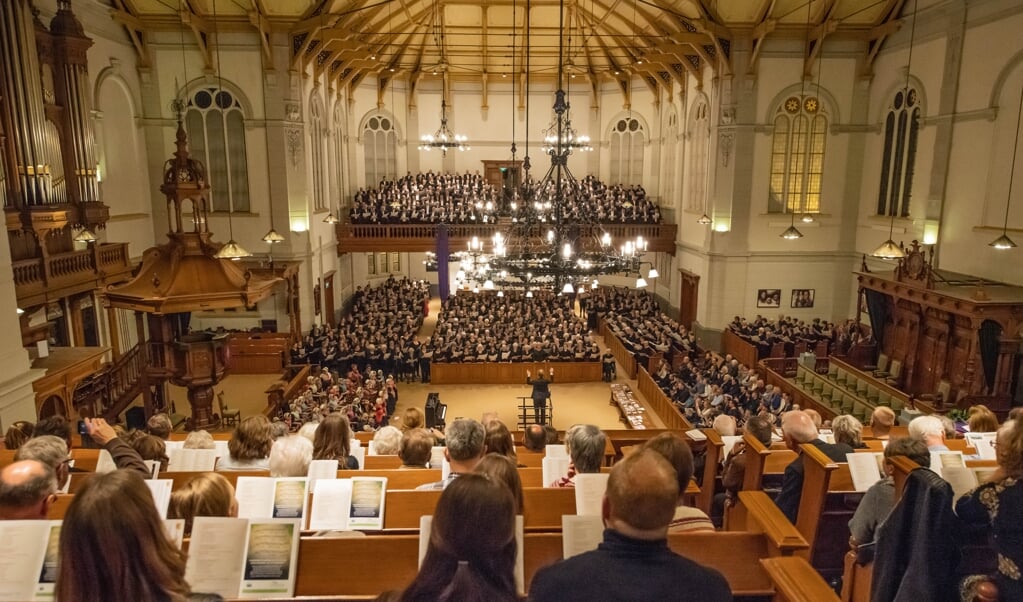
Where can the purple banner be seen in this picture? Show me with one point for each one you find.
(443, 256)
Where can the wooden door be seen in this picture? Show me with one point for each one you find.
(688, 298)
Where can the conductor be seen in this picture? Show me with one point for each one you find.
(541, 393)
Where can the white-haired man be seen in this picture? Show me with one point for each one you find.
(290, 457)
(797, 428)
(930, 430)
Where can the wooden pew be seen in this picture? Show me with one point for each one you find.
(377, 462)
(823, 514)
(736, 554)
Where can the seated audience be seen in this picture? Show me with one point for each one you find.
(764, 333)
(57, 426)
(308, 430)
(634, 561)
(206, 494)
(160, 425)
(846, 429)
(249, 446)
(18, 433)
(471, 551)
(152, 448)
(585, 446)
(503, 470)
(998, 506)
(534, 438)
(333, 442)
(27, 489)
(118, 556)
(797, 428)
(499, 440)
(676, 451)
(734, 472)
(387, 441)
(879, 500)
(982, 420)
(199, 440)
(882, 419)
(416, 448)
(930, 430)
(290, 457)
(465, 447)
(51, 451)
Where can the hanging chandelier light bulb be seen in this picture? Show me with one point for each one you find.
(233, 251)
(273, 237)
(704, 220)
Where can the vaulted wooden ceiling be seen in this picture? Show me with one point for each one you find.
(488, 39)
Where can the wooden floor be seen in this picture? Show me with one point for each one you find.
(573, 403)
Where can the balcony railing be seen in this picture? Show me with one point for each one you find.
(357, 238)
(38, 280)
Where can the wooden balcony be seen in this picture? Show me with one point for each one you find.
(360, 238)
(40, 280)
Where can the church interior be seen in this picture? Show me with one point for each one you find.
(188, 188)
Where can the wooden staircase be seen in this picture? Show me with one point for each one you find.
(111, 390)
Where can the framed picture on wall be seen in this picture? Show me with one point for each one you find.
(802, 297)
(769, 297)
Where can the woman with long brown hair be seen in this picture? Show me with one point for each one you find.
(332, 441)
(471, 554)
(113, 546)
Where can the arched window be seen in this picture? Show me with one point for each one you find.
(317, 142)
(627, 141)
(696, 170)
(339, 153)
(381, 143)
(901, 126)
(671, 170)
(797, 156)
(216, 136)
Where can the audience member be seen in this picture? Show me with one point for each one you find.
(798, 428)
(879, 500)
(18, 433)
(930, 430)
(27, 489)
(847, 429)
(118, 556)
(465, 447)
(416, 448)
(199, 440)
(634, 561)
(386, 441)
(882, 419)
(290, 457)
(499, 440)
(152, 448)
(534, 438)
(998, 505)
(51, 451)
(333, 442)
(734, 471)
(206, 494)
(160, 425)
(308, 430)
(982, 420)
(503, 470)
(585, 445)
(676, 451)
(57, 426)
(471, 551)
(249, 446)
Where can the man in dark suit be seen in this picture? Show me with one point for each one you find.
(633, 562)
(797, 428)
(541, 393)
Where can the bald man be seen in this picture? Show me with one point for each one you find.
(634, 561)
(27, 488)
(798, 428)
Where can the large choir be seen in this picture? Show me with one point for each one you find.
(430, 198)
